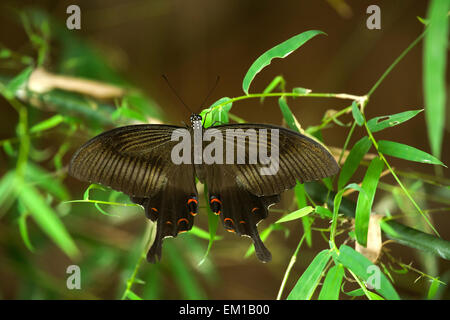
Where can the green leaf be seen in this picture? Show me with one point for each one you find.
(352, 162)
(47, 124)
(198, 232)
(182, 274)
(416, 239)
(24, 231)
(434, 69)
(364, 205)
(324, 212)
(296, 214)
(434, 286)
(279, 51)
(307, 283)
(362, 267)
(357, 115)
(215, 115)
(46, 181)
(383, 122)
(18, 82)
(133, 296)
(300, 90)
(278, 80)
(332, 284)
(47, 219)
(287, 114)
(300, 196)
(403, 151)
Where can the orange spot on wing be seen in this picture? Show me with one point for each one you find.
(168, 222)
(182, 219)
(192, 200)
(215, 200)
(226, 219)
(193, 213)
(254, 209)
(217, 213)
(242, 221)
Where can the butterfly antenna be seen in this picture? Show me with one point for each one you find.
(176, 94)
(210, 92)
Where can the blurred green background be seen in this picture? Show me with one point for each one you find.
(131, 44)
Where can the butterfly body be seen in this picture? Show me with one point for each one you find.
(139, 161)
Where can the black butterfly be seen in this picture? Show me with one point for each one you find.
(137, 160)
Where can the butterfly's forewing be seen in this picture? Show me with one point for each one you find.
(137, 161)
(300, 159)
(240, 194)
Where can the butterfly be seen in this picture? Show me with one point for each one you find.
(138, 161)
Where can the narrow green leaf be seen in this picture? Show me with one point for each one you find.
(215, 115)
(307, 283)
(279, 51)
(355, 293)
(278, 80)
(297, 214)
(352, 162)
(403, 151)
(47, 123)
(287, 114)
(357, 115)
(300, 90)
(434, 69)
(18, 82)
(367, 271)
(300, 196)
(47, 219)
(434, 286)
(383, 122)
(324, 212)
(332, 284)
(198, 232)
(364, 205)
(24, 231)
(182, 274)
(133, 296)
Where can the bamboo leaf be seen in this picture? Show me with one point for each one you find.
(403, 151)
(297, 214)
(363, 268)
(307, 283)
(278, 80)
(47, 219)
(332, 284)
(215, 115)
(18, 82)
(434, 286)
(354, 158)
(47, 124)
(383, 122)
(281, 50)
(357, 115)
(434, 66)
(287, 114)
(364, 204)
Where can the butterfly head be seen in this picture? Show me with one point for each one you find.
(196, 121)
